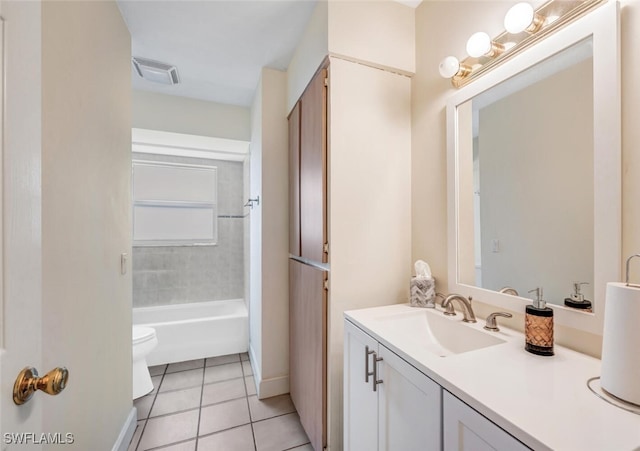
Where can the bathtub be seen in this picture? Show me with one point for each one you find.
(196, 330)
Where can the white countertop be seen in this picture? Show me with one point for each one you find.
(542, 401)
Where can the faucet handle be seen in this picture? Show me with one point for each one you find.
(492, 324)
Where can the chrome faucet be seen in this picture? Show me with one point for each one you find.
(467, 311)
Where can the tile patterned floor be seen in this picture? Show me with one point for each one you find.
(211, 405)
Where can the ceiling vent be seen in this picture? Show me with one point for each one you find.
(156, 71)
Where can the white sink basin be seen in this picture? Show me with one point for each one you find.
(439, 334)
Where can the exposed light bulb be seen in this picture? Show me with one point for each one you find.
(480, 44)
(522, 17)
(449, 67)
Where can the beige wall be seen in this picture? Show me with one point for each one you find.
(269, 238)
(156, 111)
(373, 32)
(449, 24)
(369, 191)
(380, 33)
(630, 43)
(86, 161)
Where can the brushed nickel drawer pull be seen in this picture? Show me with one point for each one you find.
(376, 381)
(367, 373)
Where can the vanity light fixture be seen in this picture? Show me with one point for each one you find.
(480, 44)
(522, 17)
(524, 27)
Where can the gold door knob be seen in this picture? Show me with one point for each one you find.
(28, 382)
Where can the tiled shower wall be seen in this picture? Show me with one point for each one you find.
(165, 275)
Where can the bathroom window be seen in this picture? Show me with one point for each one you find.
(174, 204)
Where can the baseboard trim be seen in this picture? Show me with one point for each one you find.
(126, 433)
(266, 388)
(273, 387)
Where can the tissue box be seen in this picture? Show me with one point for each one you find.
(423, 292)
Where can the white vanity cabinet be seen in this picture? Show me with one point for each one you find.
(467, 430)
(400, 412)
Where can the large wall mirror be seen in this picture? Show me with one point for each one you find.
(534, 174)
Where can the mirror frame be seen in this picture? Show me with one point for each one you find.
(603, 25)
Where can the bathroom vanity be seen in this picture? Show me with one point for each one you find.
(415, 379)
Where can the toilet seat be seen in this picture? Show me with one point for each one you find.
(141, 334)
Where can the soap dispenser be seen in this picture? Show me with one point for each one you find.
(538, 326)
(577, 299)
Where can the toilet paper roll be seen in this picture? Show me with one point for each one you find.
(621, 343)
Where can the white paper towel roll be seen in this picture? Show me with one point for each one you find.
(621, 343)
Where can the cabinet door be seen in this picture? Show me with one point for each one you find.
(467, 430)
(409, 406)
(360, 401)
(313, 169)
(294, 181)
(308, 349)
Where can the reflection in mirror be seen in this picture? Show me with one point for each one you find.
(526, 156)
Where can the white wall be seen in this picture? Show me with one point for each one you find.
(369, 192)
(269, 240)
(86, 167)
(449, 24)
(21, 277)
(154, 111)
(255, 236)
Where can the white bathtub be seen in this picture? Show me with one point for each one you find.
(197, 330)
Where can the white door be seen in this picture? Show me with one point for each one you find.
(467, 430)
(21, 274)
(360, 401)
(409, 405)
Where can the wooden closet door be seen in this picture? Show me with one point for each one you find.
(308, 349)
(294, 181)
(313, 169)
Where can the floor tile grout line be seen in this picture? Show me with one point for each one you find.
(197, 385)
(171, 444)
(199, 367)
(209, 434)
(190, 409)
(202, 406)
(146, 421)
(246, 392)
(297, 446)
(204, 370)
(275, 416)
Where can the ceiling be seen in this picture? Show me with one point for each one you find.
(219, 47)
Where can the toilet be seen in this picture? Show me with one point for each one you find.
(144, 341)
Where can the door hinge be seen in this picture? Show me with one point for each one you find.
(326, 81)
(325, 284)
(325, 248)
